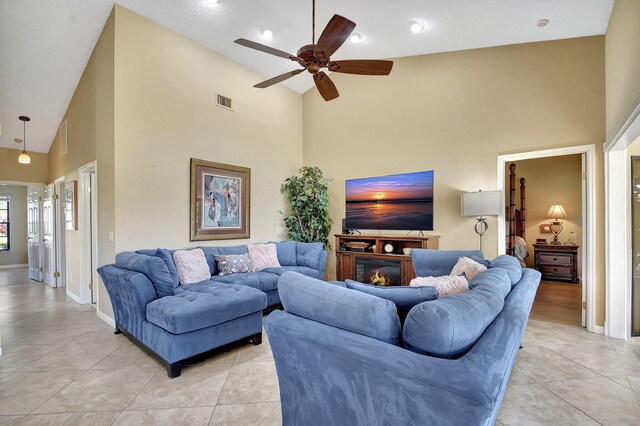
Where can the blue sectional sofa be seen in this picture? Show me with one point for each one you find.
(177, 322)
(343, 356)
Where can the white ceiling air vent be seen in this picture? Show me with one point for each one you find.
(64, 148)
(223, 102)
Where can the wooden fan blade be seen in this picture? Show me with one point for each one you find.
(362, 67)
(325, 86)
(335, 33)
(266, 49)
(278, 79)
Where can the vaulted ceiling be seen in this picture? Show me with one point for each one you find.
(45, 45)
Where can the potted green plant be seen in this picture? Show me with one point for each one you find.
(307, 192)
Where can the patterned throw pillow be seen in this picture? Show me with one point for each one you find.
(191, 266)
(233, 264)
(263, 256)
(467, 267)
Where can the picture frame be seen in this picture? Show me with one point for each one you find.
(71, 206)
(220, 201)
(545, 228)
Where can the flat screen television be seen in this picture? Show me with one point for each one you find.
(394, 202)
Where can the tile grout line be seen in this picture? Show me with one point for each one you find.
(558, 396)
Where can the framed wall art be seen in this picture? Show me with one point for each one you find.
(71, 206)
(220, 201)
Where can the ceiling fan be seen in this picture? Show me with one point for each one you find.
(316, 56)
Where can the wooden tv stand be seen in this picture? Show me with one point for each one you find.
(349, 260)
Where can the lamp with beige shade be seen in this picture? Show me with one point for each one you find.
(556, 212)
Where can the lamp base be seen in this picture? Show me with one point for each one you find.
(480, 228)
(556, 229)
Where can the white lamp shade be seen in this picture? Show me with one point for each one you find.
(24, 158)
(481, 203)
(557, 211)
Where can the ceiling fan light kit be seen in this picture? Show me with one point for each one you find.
(316, 56)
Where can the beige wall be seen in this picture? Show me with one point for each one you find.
(90, 129)
(548, 181)
(455, 113)
(622, 63)
(18, 228)
(12, 171)
(165, 114)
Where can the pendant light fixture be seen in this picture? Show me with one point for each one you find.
(24, 157)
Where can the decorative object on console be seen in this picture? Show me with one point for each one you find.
(308, 196)
(233, 264)
(481, 204)
(220, 199)
(388, 248)
(191, 265)
(571, 239)
(315, 56)
(357, 245)
(556, 212)
(263, 256)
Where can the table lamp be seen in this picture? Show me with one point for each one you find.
(556, 212)
(481, 204)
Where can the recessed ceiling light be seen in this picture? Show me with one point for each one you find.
(267, 35)
(16, 140)
(543, 22)
(356, 38)
(417, 27)
(209, 3)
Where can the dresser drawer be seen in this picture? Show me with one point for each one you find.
(556, 259)
(555, 270)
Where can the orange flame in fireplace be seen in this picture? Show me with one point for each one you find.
(378, 279)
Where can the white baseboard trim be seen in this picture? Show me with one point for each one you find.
(598, 329)
(106, 319)
(20, 265)
(74, 297)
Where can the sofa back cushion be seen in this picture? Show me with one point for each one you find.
(309, 254)
(233, 250)
(286, 252)
(152, 267)
(449, 326)
(435, 263)
(210, 254)
(404, 297)
(339, 307)
(167, 256)
(510, 264)
(496, 277)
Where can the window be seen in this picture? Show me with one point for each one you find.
(4, 223)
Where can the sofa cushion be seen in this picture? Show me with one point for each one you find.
(286, 252)
(191, 265)
(496, 277)
(263, 281)
(202, 305)
(167, 256)
(210, 254)
(449, 326)
(153, 267)
(308, 254)
(233, 250)
(339, 307)
(509, 264)
(403, 297)
(233, 264)
(313, 273)
(263, 256)
(435, 263)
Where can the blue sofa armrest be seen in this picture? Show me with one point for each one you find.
(322, 264)
(130, 292)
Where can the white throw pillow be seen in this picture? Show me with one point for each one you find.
(446, 284)
(192, 266)
(467, 266)
(263, 256)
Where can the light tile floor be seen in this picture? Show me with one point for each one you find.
(61, 365)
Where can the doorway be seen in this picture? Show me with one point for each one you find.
(59, 232)
(586, 256)
(34, 244)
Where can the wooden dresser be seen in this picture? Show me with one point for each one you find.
(557, 262)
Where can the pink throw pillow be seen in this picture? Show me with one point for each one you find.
(263, 256)
(191, 265)
(446, 284)
(467, 266)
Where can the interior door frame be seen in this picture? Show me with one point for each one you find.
(49, 259)
(59, 227)
(88, 231)
(39, 189)
(588, 259)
